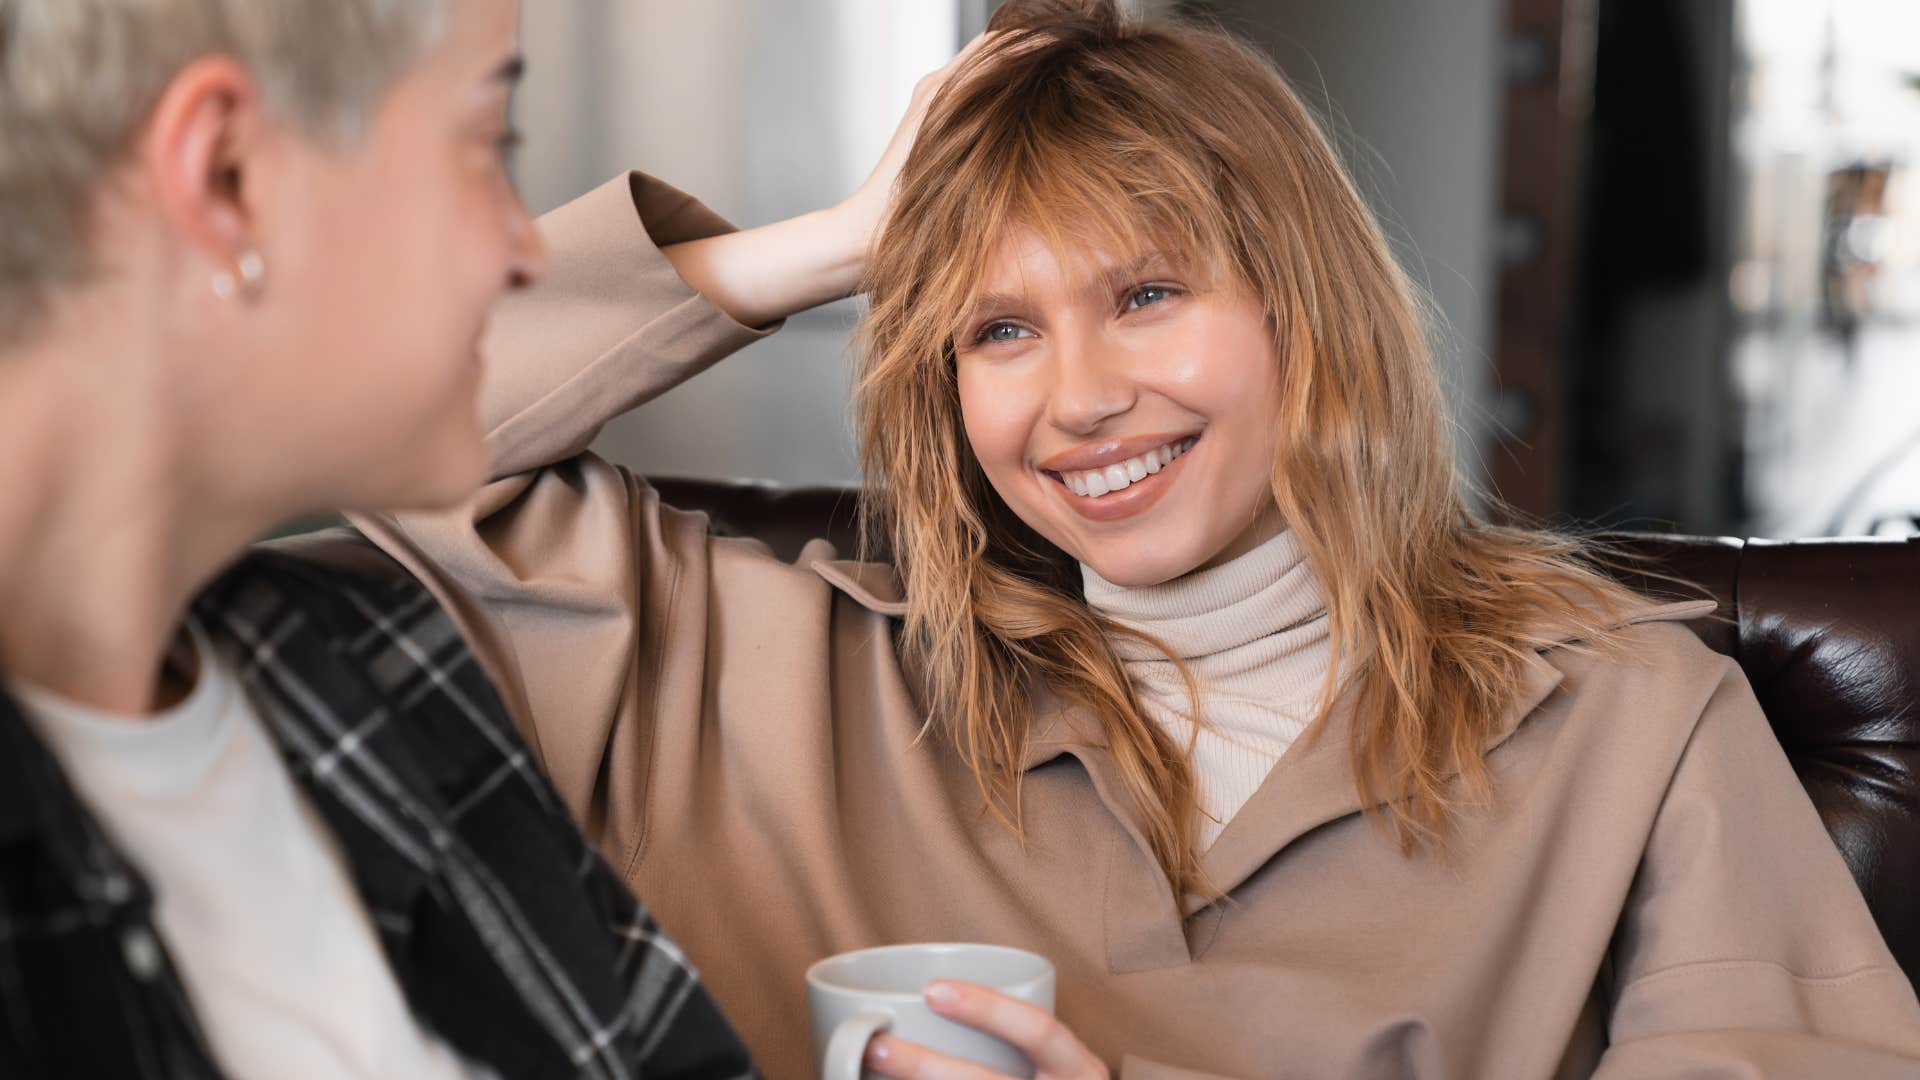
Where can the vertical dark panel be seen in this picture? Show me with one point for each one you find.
(1650, 435)
(1549, 55)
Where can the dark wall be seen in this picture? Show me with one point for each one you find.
(1653, 438)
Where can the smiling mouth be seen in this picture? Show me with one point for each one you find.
(1101, 483)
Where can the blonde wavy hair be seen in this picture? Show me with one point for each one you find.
(1096, 130)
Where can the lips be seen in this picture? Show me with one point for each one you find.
(1095, 483)
(1119, 487)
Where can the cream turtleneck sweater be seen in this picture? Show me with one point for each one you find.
(1254, 633)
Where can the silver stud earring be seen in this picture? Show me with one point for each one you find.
(253, 271)
(253, 277)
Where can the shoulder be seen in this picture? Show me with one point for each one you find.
(336, 580)
(1643, 692)
(1648, 638)
(326, 618)
(341, 556)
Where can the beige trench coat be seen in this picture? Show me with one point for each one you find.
(1653, 894)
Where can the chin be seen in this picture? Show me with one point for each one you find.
(1138, 570)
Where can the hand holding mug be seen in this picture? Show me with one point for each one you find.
(1056, 1053)
(936, 1011)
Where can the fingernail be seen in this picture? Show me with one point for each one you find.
(878, 1052)
(941, 993)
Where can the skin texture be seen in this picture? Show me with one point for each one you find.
(1077, 354)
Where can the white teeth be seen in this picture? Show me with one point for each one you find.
(1097, 482)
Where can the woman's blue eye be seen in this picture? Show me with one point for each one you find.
(1001, 332)
(1147, 294)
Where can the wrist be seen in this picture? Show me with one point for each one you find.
(847, 232)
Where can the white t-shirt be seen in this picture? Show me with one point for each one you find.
(256, 905)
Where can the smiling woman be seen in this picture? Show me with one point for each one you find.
(1133, 242)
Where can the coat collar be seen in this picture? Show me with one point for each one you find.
(874, 586)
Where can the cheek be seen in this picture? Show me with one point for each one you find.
(390, 307)
(368, 264)
(1232, 364)
(1228, 372)
(998, 418)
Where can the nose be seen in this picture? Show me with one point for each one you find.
(526, 249)
(1090, 385)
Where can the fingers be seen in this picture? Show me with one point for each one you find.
(902, 1060)
(1035, 1032)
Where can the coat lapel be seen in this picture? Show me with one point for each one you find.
(1313, 783)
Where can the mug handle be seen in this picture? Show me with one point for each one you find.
(848, 1046)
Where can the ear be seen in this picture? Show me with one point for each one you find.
(195, 156)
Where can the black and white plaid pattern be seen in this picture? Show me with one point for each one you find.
(510, 937)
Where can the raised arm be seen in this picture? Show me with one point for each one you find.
(647, 288)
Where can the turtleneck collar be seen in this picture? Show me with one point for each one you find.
(1267, 591)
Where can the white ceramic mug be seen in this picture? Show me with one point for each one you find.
(857, 995)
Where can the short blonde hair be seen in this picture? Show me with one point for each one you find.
(78, 78)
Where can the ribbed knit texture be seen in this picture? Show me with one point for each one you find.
(1254, 633)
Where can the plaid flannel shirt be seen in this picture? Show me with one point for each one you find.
(511, 939)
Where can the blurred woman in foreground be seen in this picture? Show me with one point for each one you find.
(259, 816)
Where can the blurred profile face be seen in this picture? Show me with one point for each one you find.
(384, 257)
(1123, 408)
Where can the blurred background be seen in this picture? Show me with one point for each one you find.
(1676, 243)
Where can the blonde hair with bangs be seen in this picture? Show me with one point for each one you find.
(1096, 130)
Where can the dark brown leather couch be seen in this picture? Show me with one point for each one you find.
(1828, 632)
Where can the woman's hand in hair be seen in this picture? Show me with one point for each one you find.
(1056, 1053)
(762, 275)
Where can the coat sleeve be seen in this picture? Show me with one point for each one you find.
(609, 326)
(1745, 948)
(551, 570)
